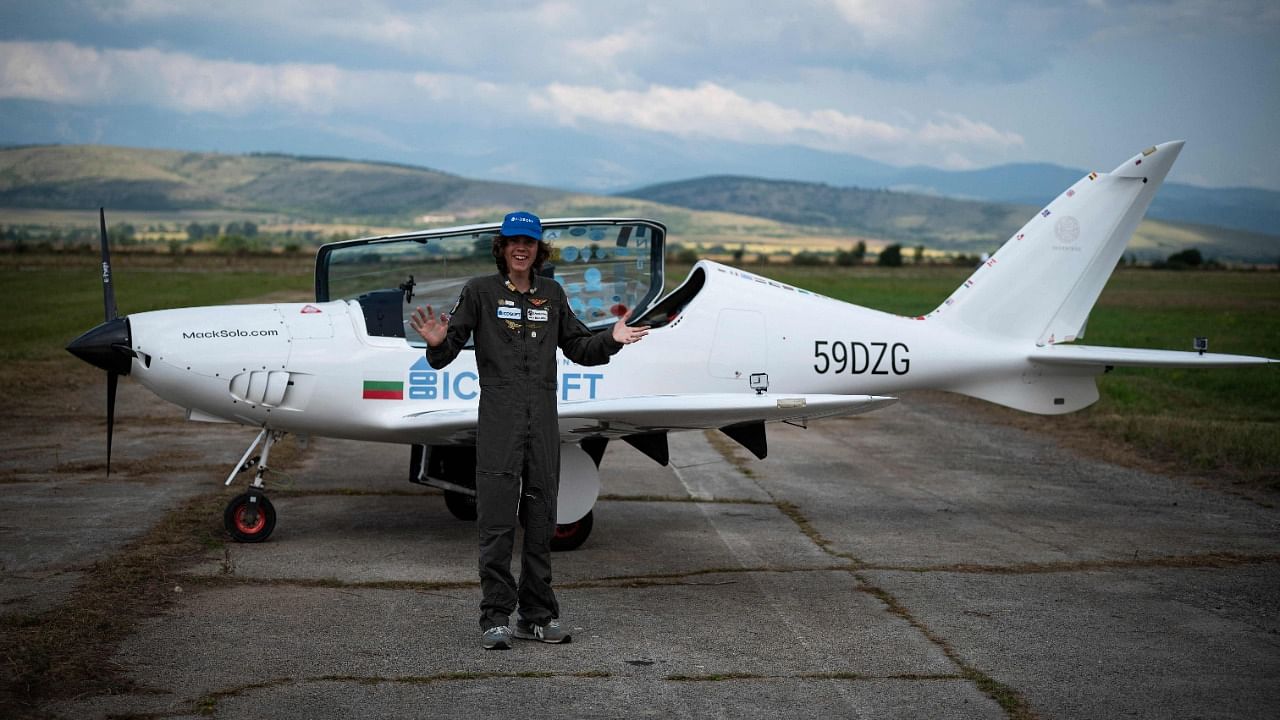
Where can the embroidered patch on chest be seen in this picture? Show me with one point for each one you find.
(538, 302)
(536, 314)
(509, 313)
(513, 325)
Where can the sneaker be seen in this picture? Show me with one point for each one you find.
(549, 633)
(497, 637)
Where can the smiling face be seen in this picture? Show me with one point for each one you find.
(519, 252)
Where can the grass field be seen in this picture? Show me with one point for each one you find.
(1220, 424)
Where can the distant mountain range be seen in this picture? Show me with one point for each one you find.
(1037, 183)
(78, 177)
(719, 210)
(1033, 184)
(928, 220)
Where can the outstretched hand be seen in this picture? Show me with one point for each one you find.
(431, 327)
(627, 335)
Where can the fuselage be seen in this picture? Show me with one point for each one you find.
(313, 368)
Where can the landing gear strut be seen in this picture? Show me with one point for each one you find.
(250, 517)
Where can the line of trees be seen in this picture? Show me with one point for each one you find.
(235, 238)
(894, 255)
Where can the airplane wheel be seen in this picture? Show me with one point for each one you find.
(462, 505)
(249, 518)
(571, 535)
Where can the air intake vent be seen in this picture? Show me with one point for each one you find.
(260, 387)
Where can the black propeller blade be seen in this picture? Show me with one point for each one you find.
(109, 306)
(108, 290)
(109, 345)
(112, 379)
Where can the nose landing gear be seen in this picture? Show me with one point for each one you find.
(250, 517)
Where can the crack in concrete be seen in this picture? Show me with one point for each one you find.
(841, 676)
(1009, 699)
(1216, 560)
(1207, 560)
(207, 704)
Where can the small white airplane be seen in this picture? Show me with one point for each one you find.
(728, 349)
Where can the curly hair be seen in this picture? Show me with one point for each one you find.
(500, 244)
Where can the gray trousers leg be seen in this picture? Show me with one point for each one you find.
(496, 497)
(518, 437)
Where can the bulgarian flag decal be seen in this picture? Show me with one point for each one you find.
(383, 390)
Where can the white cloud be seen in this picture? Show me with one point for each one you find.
(65, 73)
(711, 111)
(883, 23)
(957, 129)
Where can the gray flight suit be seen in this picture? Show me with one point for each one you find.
(516, 336)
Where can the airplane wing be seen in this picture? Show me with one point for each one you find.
(621, 416)
(648, 413)
(1086, 355)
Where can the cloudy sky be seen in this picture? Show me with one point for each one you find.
(495, 89)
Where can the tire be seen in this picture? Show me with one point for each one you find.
(240, 520)
(571, 535)
(461, 505)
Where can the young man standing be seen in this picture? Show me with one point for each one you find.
(518, 319)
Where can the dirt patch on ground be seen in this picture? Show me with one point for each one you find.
(66, 651)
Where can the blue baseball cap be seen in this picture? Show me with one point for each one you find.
(522, 223)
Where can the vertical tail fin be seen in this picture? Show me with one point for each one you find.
(1043, 282)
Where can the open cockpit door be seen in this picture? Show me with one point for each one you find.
(607, 266)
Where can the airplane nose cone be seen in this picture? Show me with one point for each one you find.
(106, 346)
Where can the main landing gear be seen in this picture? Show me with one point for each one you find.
(453, 470)
(250, 517)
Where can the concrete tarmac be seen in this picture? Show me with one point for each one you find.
(914, 562)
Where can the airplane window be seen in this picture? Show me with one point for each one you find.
(606, 269)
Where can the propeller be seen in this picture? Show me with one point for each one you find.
(108, 345)
(108, 290)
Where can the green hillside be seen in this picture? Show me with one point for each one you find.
(79, 177)
(915, 219)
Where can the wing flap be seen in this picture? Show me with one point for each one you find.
(1086, 355)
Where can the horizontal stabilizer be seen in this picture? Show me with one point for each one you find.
(1085, 355)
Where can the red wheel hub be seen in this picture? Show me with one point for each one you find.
(246, 527)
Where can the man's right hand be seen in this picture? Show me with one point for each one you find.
(431, 327)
